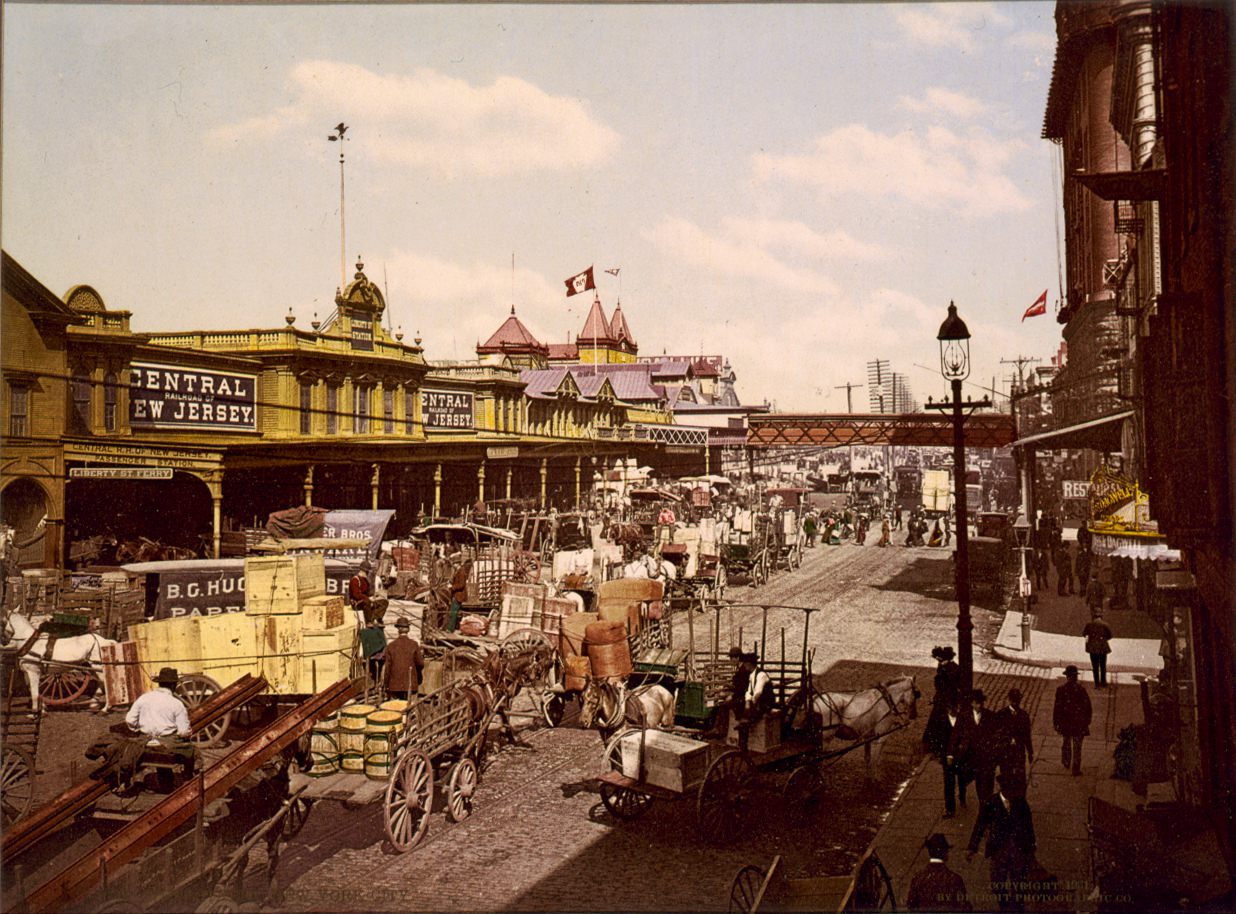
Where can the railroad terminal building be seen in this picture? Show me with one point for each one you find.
(183, 436)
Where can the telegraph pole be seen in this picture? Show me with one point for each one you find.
(849, 402)
(1020, 361)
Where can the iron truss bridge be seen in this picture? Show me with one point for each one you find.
(903, 429)
(679, 435)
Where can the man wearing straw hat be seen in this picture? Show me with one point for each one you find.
(163, 717)
(404, 662)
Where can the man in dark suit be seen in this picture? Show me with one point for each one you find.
(1009, 825)
(1071, 718)
(935, 887)
(972, 747)
(1014, 751)
(936, 737)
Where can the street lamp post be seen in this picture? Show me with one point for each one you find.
(1021, 527)
(954, 339)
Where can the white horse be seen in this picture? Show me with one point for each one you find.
(608, 706)
(862, 717)
(77, 650)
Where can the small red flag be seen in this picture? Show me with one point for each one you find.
(1039, 306)
(581, 282)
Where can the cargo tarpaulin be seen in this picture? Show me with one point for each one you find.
(365, 527)
(301, 522)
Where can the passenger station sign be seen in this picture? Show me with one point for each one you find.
(174, 397)
(446, 409)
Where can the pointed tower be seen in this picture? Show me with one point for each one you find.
(514, 341)
(625, 348)
(605, 342)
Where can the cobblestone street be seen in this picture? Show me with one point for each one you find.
(539, 837)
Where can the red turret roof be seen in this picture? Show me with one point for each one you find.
(618, 327)
(512, 336)
(596, 327)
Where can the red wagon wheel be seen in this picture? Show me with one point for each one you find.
(62, 685)
(409, 800)
(16, 784)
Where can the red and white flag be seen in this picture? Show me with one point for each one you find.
(581, 282)
(1039, 306)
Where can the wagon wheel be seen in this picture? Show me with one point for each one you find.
(195, 689)
(745, 888)
(802, 793)
(622, 802)
(553, 706)
(409, 798)
(527, 567)
(873, 889)
(723, 796)
(16, 784)
(525, 639)
(759, 574)
(718, 587)
(62, 685)
(460, 788)
(297, 816)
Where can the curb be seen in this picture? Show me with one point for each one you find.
(1030, 659)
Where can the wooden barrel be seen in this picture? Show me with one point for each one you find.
(324, 747)
(395, 704)
(352, 722)
(608, 650)
(381, 733)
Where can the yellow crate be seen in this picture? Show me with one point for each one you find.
(229, 646)
(326, 657)
(279, 645)
(322, 613)
(168, 642)
(278, 584)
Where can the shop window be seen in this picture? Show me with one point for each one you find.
(388, 411)
(19, 411)
(332, 409)
(306, 408)
(409, 409)
(82, 418)
(111, 390)
(360, 410)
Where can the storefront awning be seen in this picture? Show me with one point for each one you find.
(1133, 546)
(1102, 434)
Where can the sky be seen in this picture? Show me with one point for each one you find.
(800, 188)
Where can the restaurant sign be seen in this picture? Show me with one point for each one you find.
(446, 409)
(1118, 503)
(173, 397)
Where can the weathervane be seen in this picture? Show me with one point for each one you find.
(340, 129)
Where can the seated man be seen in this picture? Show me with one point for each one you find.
(751, 696)
(163, 718)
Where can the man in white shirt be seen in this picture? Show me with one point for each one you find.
(163, 718)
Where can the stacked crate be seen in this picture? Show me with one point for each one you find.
(276, 589)
(522, 605)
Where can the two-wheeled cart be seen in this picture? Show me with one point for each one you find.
(867, 888)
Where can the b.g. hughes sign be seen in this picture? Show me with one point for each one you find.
(168, 396)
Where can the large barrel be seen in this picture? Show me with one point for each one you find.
(352, 722)
(324, 747)
(395, 704)
(381, 734)
(608, 650)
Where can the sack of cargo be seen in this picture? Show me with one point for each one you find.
(578, 672)
(473, 625)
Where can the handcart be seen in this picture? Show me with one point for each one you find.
(867, 888)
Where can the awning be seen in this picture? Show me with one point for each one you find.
(1133, 546)
(1102, 434)
(1145, 184)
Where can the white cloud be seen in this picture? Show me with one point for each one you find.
(937, 168)
(431, 121)
(1041, 43)
(948, 25)
(936, 100)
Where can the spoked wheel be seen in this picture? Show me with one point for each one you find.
(745, 889)
(553, 706)
(195, 689)
(460, 788)
(802, 793)
(873, 889)
(16, 784)
(523, 640)
(62, 685)
(759, 574)
(621, 802)
(296, 817)
(724, 796)
(409, 798)
(718, 587)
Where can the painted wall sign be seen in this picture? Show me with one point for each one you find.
(362, 330)
(446, 409)
(500, 452)
(120, 472)
(212, 591)
(168, 396)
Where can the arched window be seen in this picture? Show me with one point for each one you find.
(82, 418)
(111, 390)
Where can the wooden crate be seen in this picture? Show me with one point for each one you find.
(122, 674)
(765, 733)
(323, 612)
(278, 584)
(168, 642)
(229, 646)
(279, 645)
(670, 761)
(326, 657)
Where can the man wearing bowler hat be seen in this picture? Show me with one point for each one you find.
(935, 887)
(1071, 719)
(404, 662)
(163, 717)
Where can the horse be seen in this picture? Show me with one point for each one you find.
(859, 717)
(607, 707)
(74, 651)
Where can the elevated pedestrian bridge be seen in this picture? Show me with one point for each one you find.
(903, 429)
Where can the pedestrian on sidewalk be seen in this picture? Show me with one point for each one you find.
(1098, 635)
(1095, 595)
(1064, 570)
(947, 680)
(1007, 821)
(935, 887)
(1016, 751)
(897, 517)
(936, 736)
(1082, 565)
(972, 747)
(1040, 568)
(1070, 717)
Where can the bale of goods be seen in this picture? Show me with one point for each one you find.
(122, 673)
(473, 625)
(573, 631)
(578, 672)
(381, 734)
(608, 650)
(406, 558)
